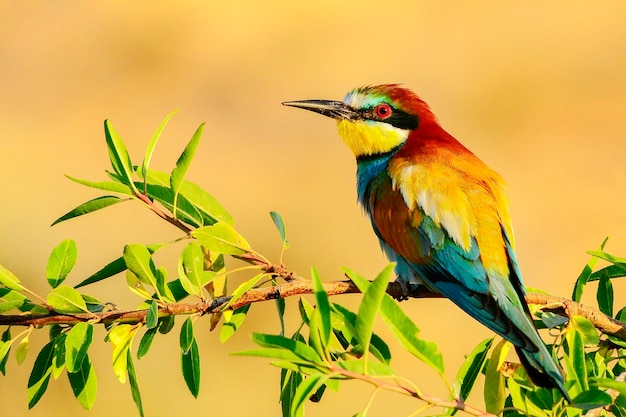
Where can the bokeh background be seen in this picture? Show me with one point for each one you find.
(537, 89)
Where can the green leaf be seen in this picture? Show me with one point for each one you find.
(65, 299)
(191, 271)
(272, 353)
(591, 399)
(120, 160)
(58, 362)
(40, 375)
(190, 361)
(111, 186)
(242, 289)
(183, 163)
(84, 383)
(404, 329)
(471, 368)
(234, 321)
(575, 358)
(90, 206)
(583, 278)
(280, 226)
(612, 271)
(112, 268)
(77, 344)
(166, 324)
(607, 257)
(210, 209)
(323, 307)
(10, 300)
(300, 349)
(587, 330)
(370, 304)
(152, 145)
(9, 280)
(280, 307)
(221, 238)
(494, 381)
(152, 317)
(5, 347)
(22, 350)
(163, 290)
(186, 335)
(146, 342)
(186, 211)
(289, 383)
(608, 383)
(121, 337)
(61, 262)
(362, 367)
(306, 388)
(139, 260)
(605, 295)
(134, 384)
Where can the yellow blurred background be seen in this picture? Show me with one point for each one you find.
(537, 89)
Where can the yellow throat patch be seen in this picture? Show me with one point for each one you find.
(370, 137)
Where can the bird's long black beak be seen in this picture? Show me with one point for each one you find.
(329, 108)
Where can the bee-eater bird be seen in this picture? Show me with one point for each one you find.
(439, 212)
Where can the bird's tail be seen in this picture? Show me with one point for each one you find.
(542, 370)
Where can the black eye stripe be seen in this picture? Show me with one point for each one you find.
(399, 119)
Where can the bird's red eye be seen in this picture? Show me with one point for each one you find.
(383, 111)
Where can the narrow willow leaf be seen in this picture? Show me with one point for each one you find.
(134, 384)
(366, 368)
(605, 295)
(61, 262)
(494, 381)
(163, 290)
(221, 238)
(591, 399)
(152, 317)
(146, 342)
(190, 362)
(186, 335)
(40, 375)
(404, 329)
(323, 306)
(65, 299)
(137, 286)
(22, 350)
(185, 210)
(242, 289)
(9, 280)
(112, 268)
(370, 305)
(111, 186)
(84, 383)
(272, 353)
(90, 206)
(587, 330)
(58, 361)
(471, 368)
(212, 211)
(299, 348)
(183, 163)
(233, 323)
(306, 388)
(612, 271)
(139, 260)
(607, 257)
(280, 226)
(77, 344)
(120, 160)
(619, 386)
(575, 358)
(166, 324)
(191, 269)
(280, 307)
(121, 338)
(583, 278)
(152, 145)
(290, 380)
(5, 347)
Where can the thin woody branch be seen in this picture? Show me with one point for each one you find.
(299, 286)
